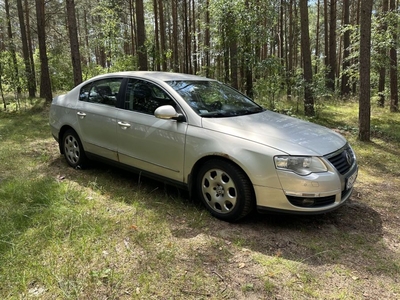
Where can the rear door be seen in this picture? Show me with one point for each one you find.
(144, 141)
(96, 113)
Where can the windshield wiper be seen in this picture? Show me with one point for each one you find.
(231, 113)
(249, 111)
(215, 114)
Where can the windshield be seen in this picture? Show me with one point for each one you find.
(214, 99)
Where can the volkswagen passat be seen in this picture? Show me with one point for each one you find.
(207, 137)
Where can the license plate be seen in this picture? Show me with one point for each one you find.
(351, 180)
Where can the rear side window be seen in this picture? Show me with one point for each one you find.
(103, 91)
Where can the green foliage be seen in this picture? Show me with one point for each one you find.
(319, 88)
(9, 79)
(272, 81)
(60, 69)
(92, 70)
(124, 63)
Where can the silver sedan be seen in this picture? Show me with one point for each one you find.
(203, 135)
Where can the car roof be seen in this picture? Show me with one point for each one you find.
(156, 75)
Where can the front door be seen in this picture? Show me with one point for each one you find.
(144, 141)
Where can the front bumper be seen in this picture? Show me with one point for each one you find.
(313, 194)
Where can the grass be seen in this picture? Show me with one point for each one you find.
(105, 233)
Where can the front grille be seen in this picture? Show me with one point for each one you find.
(318, 202)
(343, 161)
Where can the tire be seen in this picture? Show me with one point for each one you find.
(225, 190)
(73, 150)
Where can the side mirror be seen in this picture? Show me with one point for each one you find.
(168, 112)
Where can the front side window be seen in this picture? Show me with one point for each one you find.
(103, 91)
(145, 97)
(214, 99)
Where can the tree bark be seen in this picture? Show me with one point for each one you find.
(11, 46)
(305, 49)
(175, 57)
(132, 26)
(394, 90)
(162, 36)
(332, 46)
(345, 87)
(383, 53)
(186, 37)
(317, 37)
(45, 83)
(74, 42)
(157, 57)
(141, 36)
(326, 36)
(248, 62)
(30, 47)
(291, 50)
(25, 52)
(194, 37)
(207, 39)
(364, 133)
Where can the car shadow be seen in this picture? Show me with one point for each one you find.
(338, 236)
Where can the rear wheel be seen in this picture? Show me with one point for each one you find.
(225, 190)
(73, 150)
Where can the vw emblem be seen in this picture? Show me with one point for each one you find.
(348, 157)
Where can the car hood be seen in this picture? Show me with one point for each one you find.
(287, 134)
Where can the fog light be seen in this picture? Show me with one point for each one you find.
(308, 202)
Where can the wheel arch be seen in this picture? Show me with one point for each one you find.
(195, 169)
(61, 133)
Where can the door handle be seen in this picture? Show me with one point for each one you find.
(81, 114)
(124, 125)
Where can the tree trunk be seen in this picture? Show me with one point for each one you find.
(186, 37)
(356, 60)
(45, 83)
(175, 57)
(225, 41)
(317, 37)
(141, 36)
(207, 39)
(132, 26)
(1, 87)
(332, 46)
(291, 50)
(394, 90)
(383, 53)
(345, 87)
(326, 37)
(74, 42)
(281, 31)
(30, 48)
(162, 36)
(305, 49)
(85, 26)
(11, 46)
(157, 58)
(364, 133)
(248, 62)
(25, 52)
(194, 37)
(233, 49)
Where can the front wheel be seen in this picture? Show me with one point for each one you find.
(225, 190)
(73, 149)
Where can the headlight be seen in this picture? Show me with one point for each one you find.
(302, 165)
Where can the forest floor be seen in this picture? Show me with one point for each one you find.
(103, 233)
